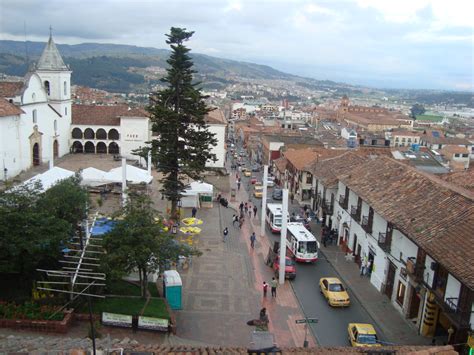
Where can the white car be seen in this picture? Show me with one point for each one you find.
(270, 183)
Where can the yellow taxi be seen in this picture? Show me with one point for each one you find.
(258, 191)
(247, 172)
(362, 335)
(333, 290)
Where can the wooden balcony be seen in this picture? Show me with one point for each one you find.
(414, 269)
(343, 202)
(366, 225)
(459, 315)
(355, 213)
(384, 242)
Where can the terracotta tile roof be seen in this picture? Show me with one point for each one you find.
(280, 164)
(302, 158)
(444, 140)
(406, 133)
(375, 118)
(454, 149)
(464, 179)
(9, 109)
(221, 350)
(215, 116)
(11, 88)
(437, 216)
(328, 170)
(103, 115)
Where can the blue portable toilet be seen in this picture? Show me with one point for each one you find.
(172, 286)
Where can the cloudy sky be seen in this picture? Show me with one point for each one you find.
(383, 43)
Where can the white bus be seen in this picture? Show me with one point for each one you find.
(273, 216)
(301, 243)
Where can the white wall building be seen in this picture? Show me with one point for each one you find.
(41, 130)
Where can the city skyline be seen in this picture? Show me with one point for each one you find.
(405, 44)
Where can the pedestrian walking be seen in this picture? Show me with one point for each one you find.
(324, 240)
(246, 207)
(241, 207)
(292, 197)
(363, 266)
(225, 232)
(235, 218)
(241, 222)
(274, 284)
(369, 267)
(193, 212)
(252, 240)
(265, 288)
(238, 185)
(250, 213)
(254, 211)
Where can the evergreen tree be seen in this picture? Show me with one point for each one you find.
(184, 143)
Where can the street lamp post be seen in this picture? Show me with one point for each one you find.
(180, 203)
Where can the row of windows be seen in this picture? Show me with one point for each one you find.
(90, 134)
(415, 140)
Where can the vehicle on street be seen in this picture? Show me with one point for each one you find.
(301, 243)
(255, 168)
(277, 194)
(274, 216)
(253, 180)
(335, 293)
(300, 219)
(362, 335)
(270, 183)
(273, 260)
(246, 172)
(258, 191)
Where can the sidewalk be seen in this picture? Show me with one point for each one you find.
(393, 324)
(284, 309)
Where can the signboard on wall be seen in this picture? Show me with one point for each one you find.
(153, 323)
(117, 320)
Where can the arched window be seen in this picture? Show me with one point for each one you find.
(113, 134)
(101, 148)
(65, 88)
(47, 88)
(77, 147)
(89, 147)
(55, 125)
(114, 148)
(76, 133)
(101, 134)
(65, 111)
(89, 134)
(35, 116)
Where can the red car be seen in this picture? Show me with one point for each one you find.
(253, 180)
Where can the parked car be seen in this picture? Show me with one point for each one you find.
(270, 183)
(255, 168)
(273, 260)
(277, 194)
(362, 335)
(334, 292)
(246, 172)
(253, 180)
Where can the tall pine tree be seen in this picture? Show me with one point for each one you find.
(184, 143)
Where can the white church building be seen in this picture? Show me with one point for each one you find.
(35, 115)
(38, 121)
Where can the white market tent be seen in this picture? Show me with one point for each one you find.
(49, 178)
(134, 175)
(94, 177)
(197, 193)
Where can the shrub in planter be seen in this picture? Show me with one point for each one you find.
(29, 310)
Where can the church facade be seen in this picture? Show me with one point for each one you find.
(35, 115)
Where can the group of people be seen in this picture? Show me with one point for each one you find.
(328, 235)
(273, 286)
(366, 267)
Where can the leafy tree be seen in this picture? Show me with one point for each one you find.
(34, 225)
(183, 146)
(139, 243)
(142, 152)
(417, 109)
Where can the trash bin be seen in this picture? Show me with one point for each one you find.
(172, 286)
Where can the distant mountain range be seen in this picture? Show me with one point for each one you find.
(108, 66)
(126, 68)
